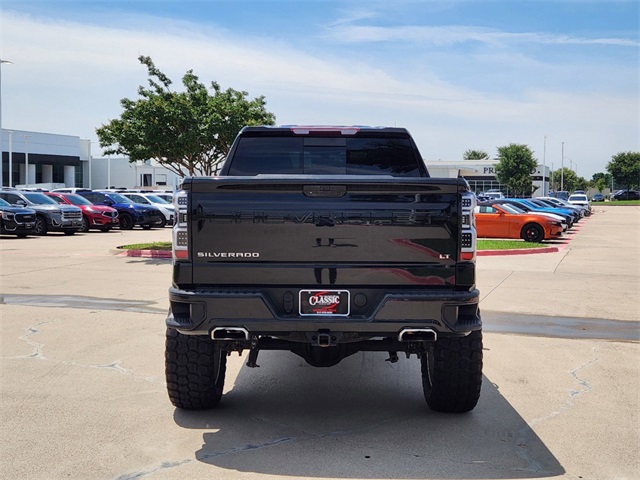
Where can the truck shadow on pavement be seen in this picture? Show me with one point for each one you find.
(364, 418)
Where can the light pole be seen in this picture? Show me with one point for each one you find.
(10, 159)
(2, 144)
(544, 167)
(562, 170)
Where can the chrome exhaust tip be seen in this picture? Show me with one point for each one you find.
(230, 333)
(417, 335)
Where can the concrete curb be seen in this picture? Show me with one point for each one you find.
(141, 253)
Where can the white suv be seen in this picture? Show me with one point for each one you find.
(580, 200)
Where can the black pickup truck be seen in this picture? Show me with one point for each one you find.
(324, 241)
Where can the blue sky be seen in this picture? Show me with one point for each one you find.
(458, 74)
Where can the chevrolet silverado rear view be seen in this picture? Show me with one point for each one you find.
(325, 242)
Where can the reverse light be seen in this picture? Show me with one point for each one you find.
(180, 244)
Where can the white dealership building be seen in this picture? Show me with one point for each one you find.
(481, 174)
(46, 160)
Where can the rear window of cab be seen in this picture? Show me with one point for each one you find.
(326, 156)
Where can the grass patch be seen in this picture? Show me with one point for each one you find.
(147, 246)
(508, 244)
(617, 202)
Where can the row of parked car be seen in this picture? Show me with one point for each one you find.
(530, 219)
(72, 210)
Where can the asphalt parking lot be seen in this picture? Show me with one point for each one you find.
(82, 392)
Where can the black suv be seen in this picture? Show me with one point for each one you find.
(16, 220)
(626, 195)
(50, 216)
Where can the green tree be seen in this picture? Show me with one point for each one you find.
(600, 181)
(475, 155)
(600, 184)
(514, 167)
(566, 179)
(625, 168)
(601, 176)
(188, 132)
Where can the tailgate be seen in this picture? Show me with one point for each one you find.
(305, 231)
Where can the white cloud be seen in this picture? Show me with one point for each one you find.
(456, 34)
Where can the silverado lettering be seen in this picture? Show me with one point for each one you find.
(326, 242)
(228, 255)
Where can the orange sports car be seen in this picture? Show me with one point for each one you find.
(493, 221)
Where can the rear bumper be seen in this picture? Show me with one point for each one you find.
(444, 311)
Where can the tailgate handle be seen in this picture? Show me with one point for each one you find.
(334, 191)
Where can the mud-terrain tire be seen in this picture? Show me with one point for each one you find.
(452, 373)
(195, 369)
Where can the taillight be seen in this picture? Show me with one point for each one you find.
(468, 227)
(180, 234)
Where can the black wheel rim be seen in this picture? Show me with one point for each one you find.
(532, 234)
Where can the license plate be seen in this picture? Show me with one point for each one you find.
(332, 303)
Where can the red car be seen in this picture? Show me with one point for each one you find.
(93, 216)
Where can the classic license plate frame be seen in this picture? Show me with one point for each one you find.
(324, 303)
